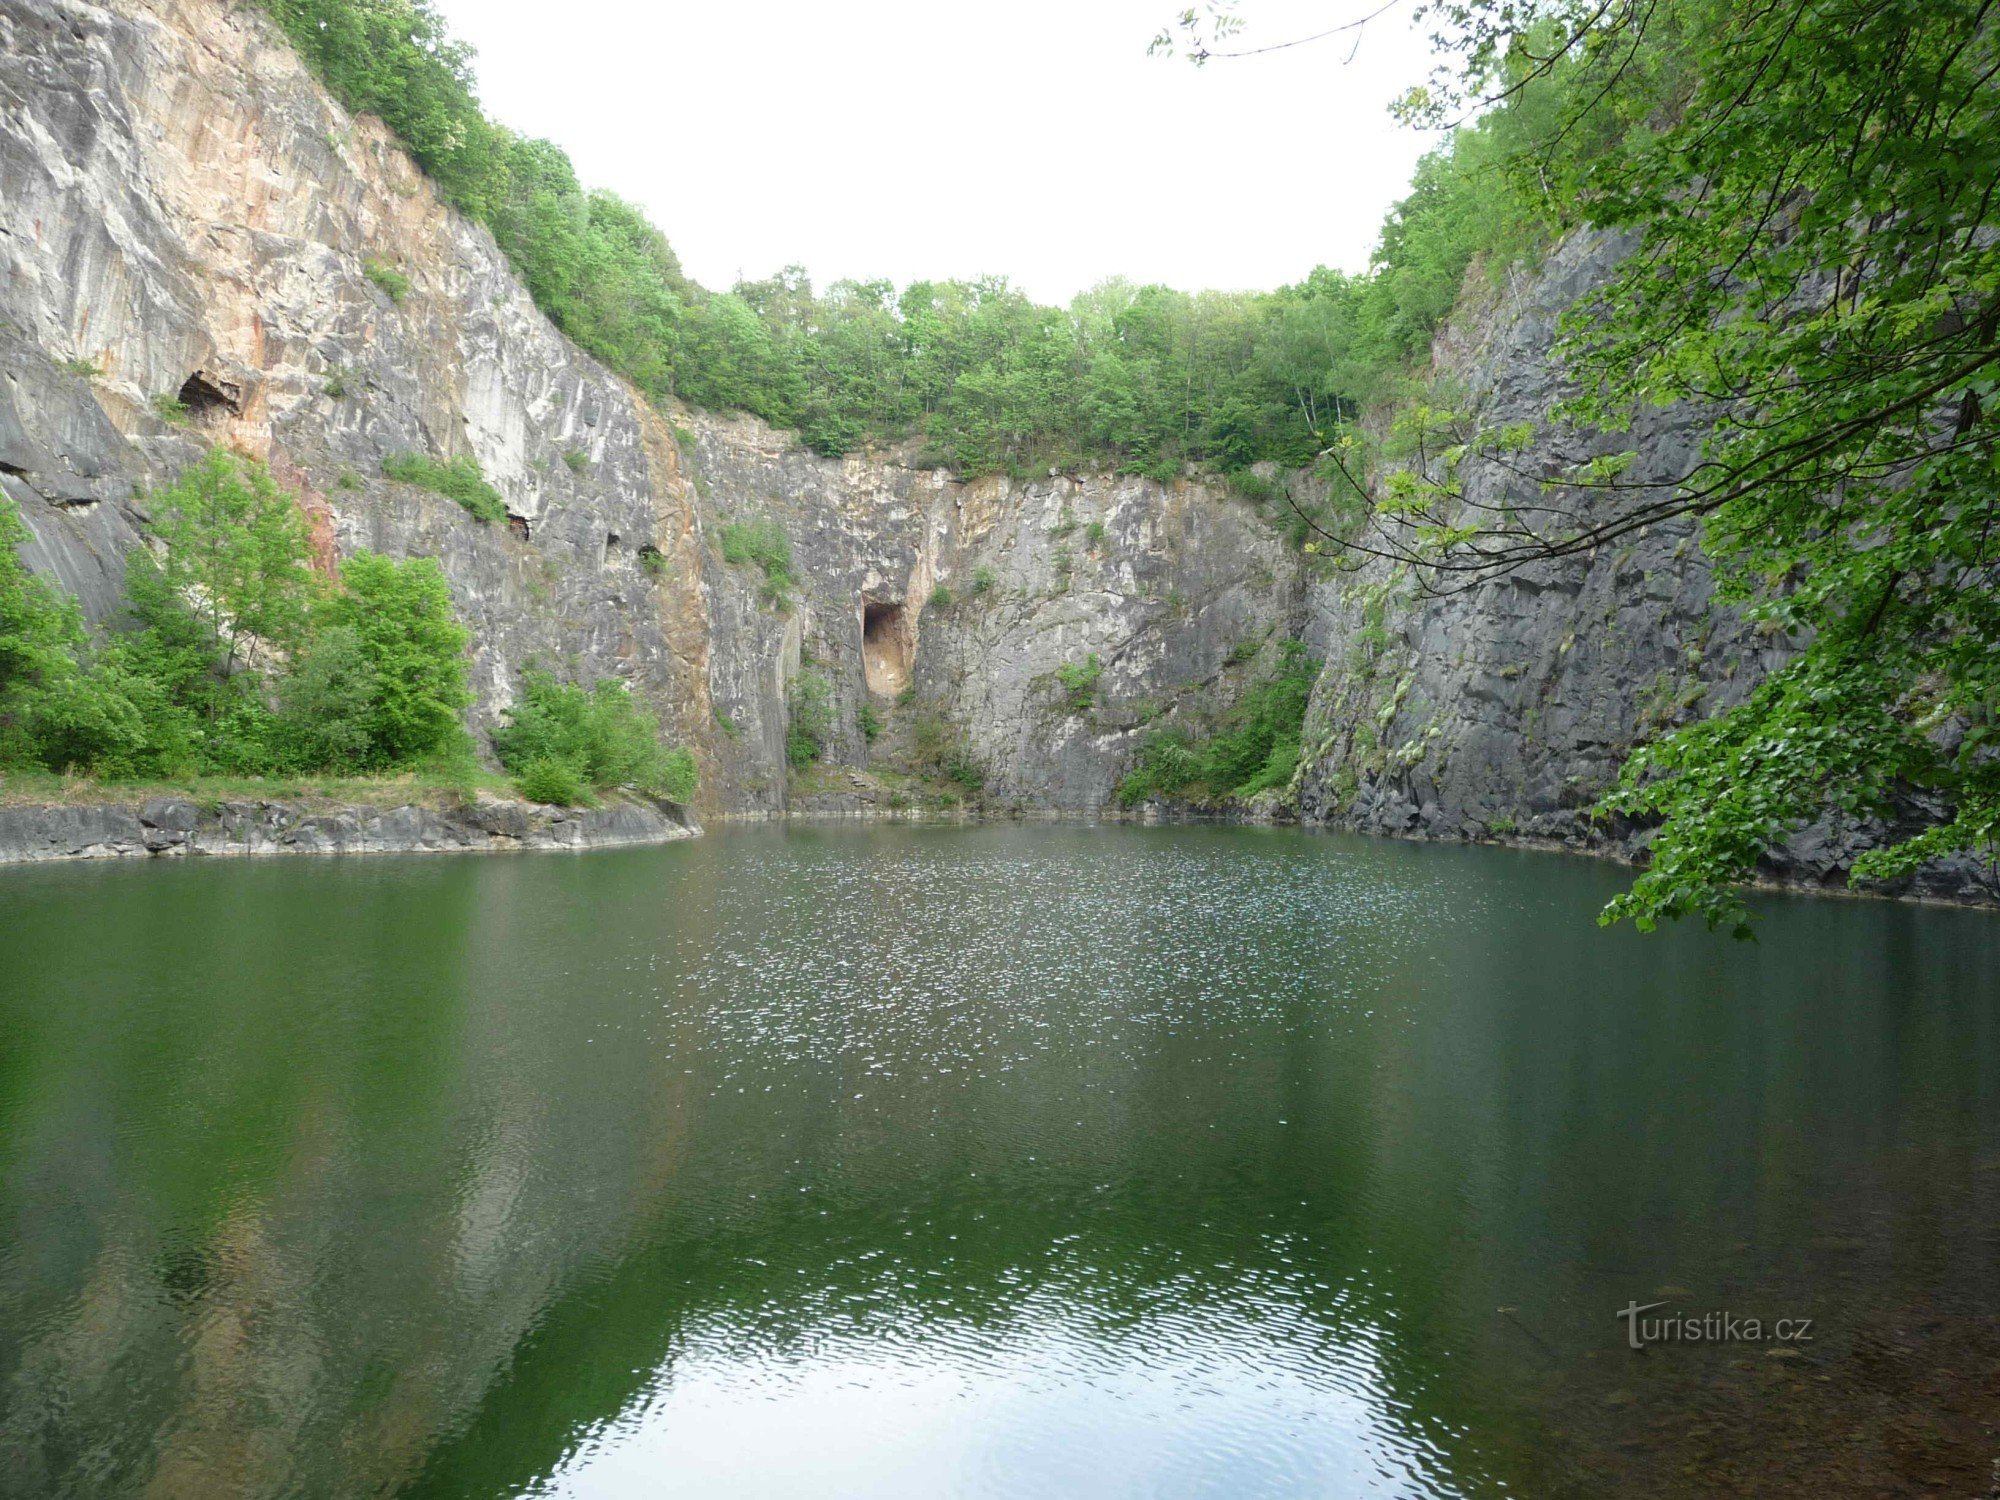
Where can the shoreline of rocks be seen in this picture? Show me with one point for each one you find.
(180, 827)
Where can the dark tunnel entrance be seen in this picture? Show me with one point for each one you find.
(885, 647)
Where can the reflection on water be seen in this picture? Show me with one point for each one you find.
(983, 1162)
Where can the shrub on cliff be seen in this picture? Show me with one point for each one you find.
(461, 479)
(604, 736)
(809, 719)
(554, 782)
(1253, 747)
(1078, 681)
(407, 636)
(764, 544)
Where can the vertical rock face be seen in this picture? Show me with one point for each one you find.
(188, 215)
(1510, 707)
(968, 599)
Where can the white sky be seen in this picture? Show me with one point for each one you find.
(956, 138)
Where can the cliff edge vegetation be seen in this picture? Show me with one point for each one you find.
(1142, 378)
(238, 661)
(1805, 195)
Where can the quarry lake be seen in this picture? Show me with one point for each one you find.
(1012, 1160)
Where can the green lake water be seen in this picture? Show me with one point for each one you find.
(1005, 1161)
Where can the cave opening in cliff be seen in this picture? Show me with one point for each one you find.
(885, 647)
(204, 396)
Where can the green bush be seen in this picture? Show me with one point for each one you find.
(1254, 486)
(762, 543)
(460, 480)
(171, 409)
(577, 459)
(809, 720)
(1078, 681)
(393, 283)
(552, 781)
(679, 775)
(1254, 747)
(607, 737)
(326, 705)
(1167, 763)
(59, 708)
(941, 597)
(237, 551)
(401, 616)
(868, 721)
(939, 751)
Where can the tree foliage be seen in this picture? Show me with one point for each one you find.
(1142, 377)
(1809, 190)
(236, 553)
(808, 719)
(1252, 747)
(57, 707)
(561, 738)
(400, 617)
(233, 657)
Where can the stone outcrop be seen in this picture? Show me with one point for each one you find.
(173, 827)
(966, 599)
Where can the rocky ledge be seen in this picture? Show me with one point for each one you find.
(167, 826)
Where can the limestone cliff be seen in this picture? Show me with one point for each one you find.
(1506, 711)
(187, 214)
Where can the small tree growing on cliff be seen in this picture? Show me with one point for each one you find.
(237, 553)
(602, 735)
(411, 642)
(809, 719)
